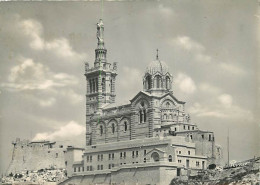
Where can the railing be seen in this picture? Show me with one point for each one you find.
(88, 70)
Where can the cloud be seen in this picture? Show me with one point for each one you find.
(196, 49)
(30, 75)
(60, 46)
(208, 88)
(26, 70)
(231, 68)
(204, 111)
(185, 83)
(129, 81)
(226, 100)
(70, 130)
(198, 54)
(187, 43)
(47, 103)
(165, 10)
(223, 108)
(72, 96)
(216, 104)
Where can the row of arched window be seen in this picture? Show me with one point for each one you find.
(113, 128)
(101, 54)
(167, 117)
(157, 82)
(93, 85)
(155, 157)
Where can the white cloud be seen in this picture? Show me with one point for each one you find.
(226, 100)
(223, 108)
(129, 81)
(218, 105)
(33, 29)
(202, 58)
(72, 96)
(196, 49)
(47, 103)
(29, 75)
(208, 88)
(204, 111)
(165, 10)
(60, 46)
(70, 130)
(185, 83)
(187, 43)
(198, 54)
(26, 70)
(231, 68)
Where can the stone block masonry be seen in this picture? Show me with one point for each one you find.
(31, 156)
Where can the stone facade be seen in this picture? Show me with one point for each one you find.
(38, 155)
(148, 140)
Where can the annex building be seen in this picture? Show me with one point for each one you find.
(149, 140)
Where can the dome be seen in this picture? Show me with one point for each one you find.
(157, 66)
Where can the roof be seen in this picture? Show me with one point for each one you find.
(157, 66)
(40, 142)
(114, 105)
(157, 96)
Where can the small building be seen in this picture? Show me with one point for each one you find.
(148, 140)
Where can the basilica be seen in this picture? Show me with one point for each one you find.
(148, 140)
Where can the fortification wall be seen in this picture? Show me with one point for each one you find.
(127, 176)
(205, 145)
(36, 155)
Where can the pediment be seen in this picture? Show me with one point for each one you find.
(156, 150)
(170, 96)
(139, 95)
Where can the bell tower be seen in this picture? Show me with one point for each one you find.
(100, 81)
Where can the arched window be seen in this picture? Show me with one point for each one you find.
(167, 104)
(165, 116)
(96, 85)
(125, 125)
(170, 116)
(148, 82)
(93, 85)
(141, 116)
(155, 157)
(144, 115)
(103, 84)
(101, 130)
(158, 81)
(170, 158)
(113, 128)
(168, 83)
(90, 86)
(111, 87)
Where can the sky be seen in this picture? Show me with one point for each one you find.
(211, 48)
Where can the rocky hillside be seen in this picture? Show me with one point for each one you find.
(40, 177)
(246, 172)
